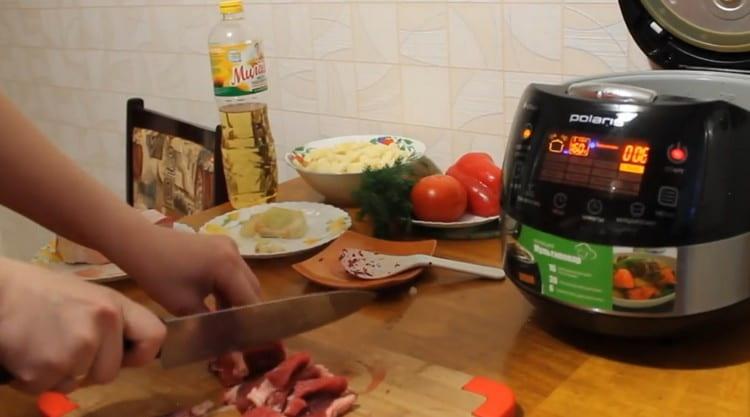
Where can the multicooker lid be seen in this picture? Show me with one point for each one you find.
(692, 34)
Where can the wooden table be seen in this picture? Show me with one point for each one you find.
(469, 328)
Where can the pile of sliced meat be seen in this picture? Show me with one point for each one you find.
(276, 385)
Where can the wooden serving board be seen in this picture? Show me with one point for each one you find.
(389, 385)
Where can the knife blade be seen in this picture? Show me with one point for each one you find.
(209, 335)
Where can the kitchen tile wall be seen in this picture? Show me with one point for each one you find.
(449, 73)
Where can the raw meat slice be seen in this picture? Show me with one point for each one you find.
(277, 400)
(281, 386)
(264, 359)
(256, 362)
(323, 370)
(335, 385)
(258, 396)
(295, 406)
(262, 412)
(242, 400)
(329, 406)
(231, 369)
(327, 388)
(338, 407)
(311, 372)
(282, 375)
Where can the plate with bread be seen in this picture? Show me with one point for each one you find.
(276, 230)
(64, 255)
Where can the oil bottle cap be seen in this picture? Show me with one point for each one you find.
(231, 6)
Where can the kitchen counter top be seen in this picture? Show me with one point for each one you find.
(474, 328)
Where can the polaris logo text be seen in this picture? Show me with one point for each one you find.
(597, 120)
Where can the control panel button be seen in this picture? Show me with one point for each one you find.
(637, 209)
(528, 130)
(594, 206)
(668, 196)
(560, 200)
(677, 154)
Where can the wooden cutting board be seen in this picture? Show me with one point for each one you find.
(389, 385)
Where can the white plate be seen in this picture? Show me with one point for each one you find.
(325, 223)
(110, 272)
(653, 302)
(467, 220)
(47, 258)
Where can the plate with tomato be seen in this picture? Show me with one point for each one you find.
(467, 195)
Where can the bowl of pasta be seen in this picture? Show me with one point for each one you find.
(334, 166)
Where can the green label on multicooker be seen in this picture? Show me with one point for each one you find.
(574, 272)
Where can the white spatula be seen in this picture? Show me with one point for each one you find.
(364, 264)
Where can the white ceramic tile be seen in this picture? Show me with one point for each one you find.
(595, 39)
(375, 127)
(166, 74)
(439, 143)
(375, 29)
(32, 27)
(72, 28)
(260, 25)
(337, 88)
(514, 85)
(197, 69)
(423, 33)
(637, 60)
(532, 40)
(17, 65)
(165, 29)
(379, 92)
(127, 72)
(332, 126)
(5, 32)
(26, 96)
(494, 145)
(195, 25)
(476, 35)
(66, 67)
(298, 85)
(426, 96)
(332, 31)
(477, 98)
(292, 30)
(300, 129)
(82, 147)
(273, 94)
(105, 111)
(64, 106)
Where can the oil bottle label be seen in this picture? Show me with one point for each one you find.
(238, 70)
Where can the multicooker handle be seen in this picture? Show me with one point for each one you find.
(611, 91)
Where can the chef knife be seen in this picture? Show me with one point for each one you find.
(209, 335)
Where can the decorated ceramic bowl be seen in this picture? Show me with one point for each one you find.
(334, 166)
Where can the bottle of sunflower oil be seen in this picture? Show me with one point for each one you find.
(240, 82)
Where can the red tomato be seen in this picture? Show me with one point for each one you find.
(438, 198)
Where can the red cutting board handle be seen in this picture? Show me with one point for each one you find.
(501, 402)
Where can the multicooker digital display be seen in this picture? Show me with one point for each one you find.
(616, 166)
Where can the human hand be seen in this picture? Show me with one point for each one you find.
(180, 270)
(57, 332)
